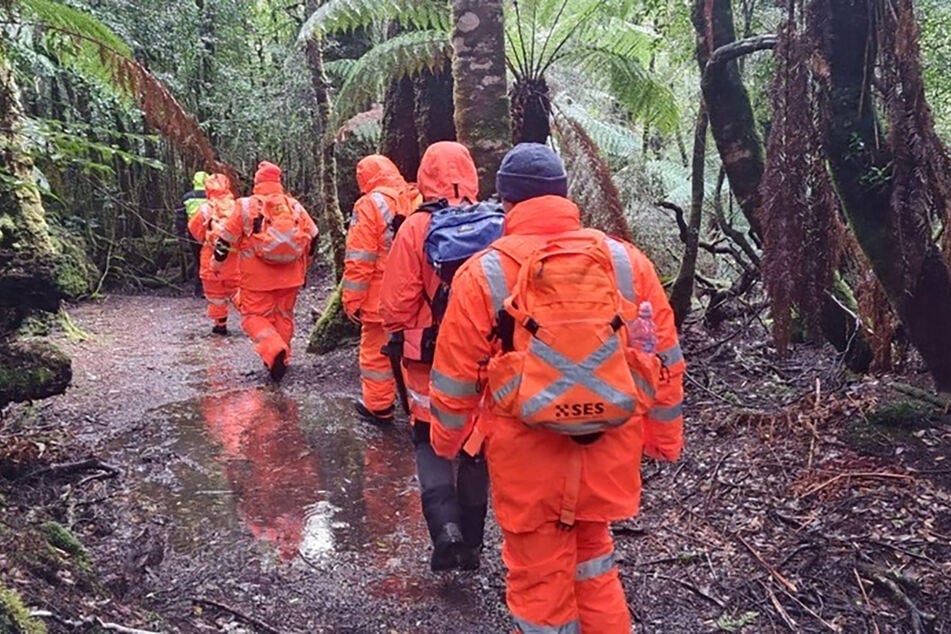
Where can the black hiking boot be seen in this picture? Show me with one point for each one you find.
(279, 366)
(446, 549)
(381, 417)
(470, 558)
(220, 329)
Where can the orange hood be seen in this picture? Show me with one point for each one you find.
(217, 186)
(378, 171)
(447, 171)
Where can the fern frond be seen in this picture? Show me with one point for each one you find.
(590, 182)
(341, 16)
(339, 69)
(615, 140)
(78, 40)
(404, 55)
(634, 87)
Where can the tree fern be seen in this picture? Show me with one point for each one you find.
(341, 16)
(615, 140)
(404, 55)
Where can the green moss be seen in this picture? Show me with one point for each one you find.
(32, 370)
(14, 617)
(76, 275)
(60, 537)
(333, 330)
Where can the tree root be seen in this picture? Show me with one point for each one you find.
(70, 468)
(250, 620)
(86, 621)
(892, 583)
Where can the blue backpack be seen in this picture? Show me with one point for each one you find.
(456, 233)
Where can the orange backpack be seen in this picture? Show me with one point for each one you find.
(566, 364)
(218, 212)
(278, 236)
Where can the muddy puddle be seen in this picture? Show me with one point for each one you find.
(300, 477)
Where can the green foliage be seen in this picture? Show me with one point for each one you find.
(342, 16)
(15, 617)
(79, 40)
(404, 55)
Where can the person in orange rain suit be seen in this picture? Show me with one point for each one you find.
(386, 201)
(561, 576)
(220, 284)
(268, 289)
(454, 504)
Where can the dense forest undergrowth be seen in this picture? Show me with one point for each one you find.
(783, 165)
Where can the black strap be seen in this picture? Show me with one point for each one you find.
(504, 331)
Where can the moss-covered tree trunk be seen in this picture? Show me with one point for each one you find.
(325, 156)
(434, 110)
(480, 97)
(733, 127)
(903, 254)
(399, 139)
(29, 262)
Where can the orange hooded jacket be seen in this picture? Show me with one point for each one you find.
(445, 171)
(535, 472)
(385, 196)
(206, 224)
(256, 274)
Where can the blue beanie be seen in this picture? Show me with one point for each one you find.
(531, 170)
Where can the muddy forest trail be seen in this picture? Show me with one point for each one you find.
(239, 506)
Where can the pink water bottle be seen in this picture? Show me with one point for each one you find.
(641, 333)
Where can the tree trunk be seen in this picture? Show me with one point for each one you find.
(434, 110)
(481, 101)
(29, 262)
(325, 158)
(399, 140)
(681, 294)
(733, 127)
(911, 269)
(731, 115)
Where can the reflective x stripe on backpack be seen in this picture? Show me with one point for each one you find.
(572, 373)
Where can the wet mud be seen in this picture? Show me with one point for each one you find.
(274, 500)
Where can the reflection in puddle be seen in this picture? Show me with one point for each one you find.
(303, 476)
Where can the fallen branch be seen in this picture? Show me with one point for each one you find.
(855, 474)
(789, 585)
(250, 620)
(783, 614)
(86, 621)
(697, 591)
(918, 616)
(70, 468)
(865, 598)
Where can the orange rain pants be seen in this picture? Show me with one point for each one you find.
(416, 375)
(560, 579)
(268, 319)
(219, 294)
(376, 370)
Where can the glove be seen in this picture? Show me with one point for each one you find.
(221, 251)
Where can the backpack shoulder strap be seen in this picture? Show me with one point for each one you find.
(623, 268)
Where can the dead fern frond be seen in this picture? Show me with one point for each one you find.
(590, 183)
(801, 227)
